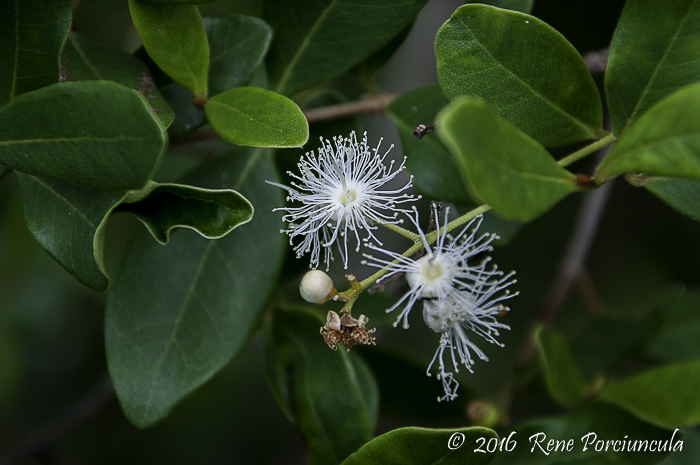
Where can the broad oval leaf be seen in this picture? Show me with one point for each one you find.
(595, 421)
(664, 142)
(237, 45)
(257, 117)
(68, 222)
(325, 38)
(678, 335)
(517, 5)
(504, 166)
(180, 312)
(174, 37)
(32, 33)
(666, 396)
(213, 213)
(67, 132)
(422, 446)
(681, 194)
(528, 73)
(427, 158)
(655, 50)
(85, 60)
(324, 394)
(564, 379)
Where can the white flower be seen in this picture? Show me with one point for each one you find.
(458, 296)
(340, 192)
(444, 271)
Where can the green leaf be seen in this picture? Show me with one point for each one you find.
(655, 50)
(422, 446)
(666, 396)
(257, 117)
(426, 158)
(178, 313)
(66, 131)
(606, 342)
(212, 213)
(373, 63)
(517, 5)
(678, 335)
(85, 60)
(664, 142)
(528, 73)
(505, 168)
(564, 379)
(188, 117)
(681, 194)
(32, 33)
(68, 222)
(330, 402)
(174, 37)
(325, 38)
(606, 423)
(238, 45)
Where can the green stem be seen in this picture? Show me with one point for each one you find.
(399, 230)
(587, 150)
(351, 295)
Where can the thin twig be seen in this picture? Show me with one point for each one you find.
(375, 103)
(571, 264)
(39, 441)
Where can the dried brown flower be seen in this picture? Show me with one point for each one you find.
(346, 330)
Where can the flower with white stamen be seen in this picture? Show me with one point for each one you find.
(341, 190)
(444, 271)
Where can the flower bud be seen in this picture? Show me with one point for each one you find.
(317, 287)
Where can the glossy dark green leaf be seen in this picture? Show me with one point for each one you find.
(325, 38)
(681, 194)
(212, 213)
(528, 73)
(320, 387)
(666, 396)
(655, 51)
(504, 167)
(678, 335)
(66, 131)
(663, 142)
(427, 159)
(174, 37)
(606, 342)
(422, 446)
(32, 33)
(517, 5)
(564, 379)
(373, 63)
(178, 313)
(257, 117)
(188, 117)
(237, 45)
(68, 222)
(85, 60)
(606, 423)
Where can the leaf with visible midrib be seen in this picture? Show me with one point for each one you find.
(655, 50)
(503, 166)
(527, 72)
(178, 313)
(32, 33)
(663, 142)
(112, 146)
(85, 60)
(323, 38)
(68, 222)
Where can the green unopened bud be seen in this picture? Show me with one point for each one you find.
(317, 287)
